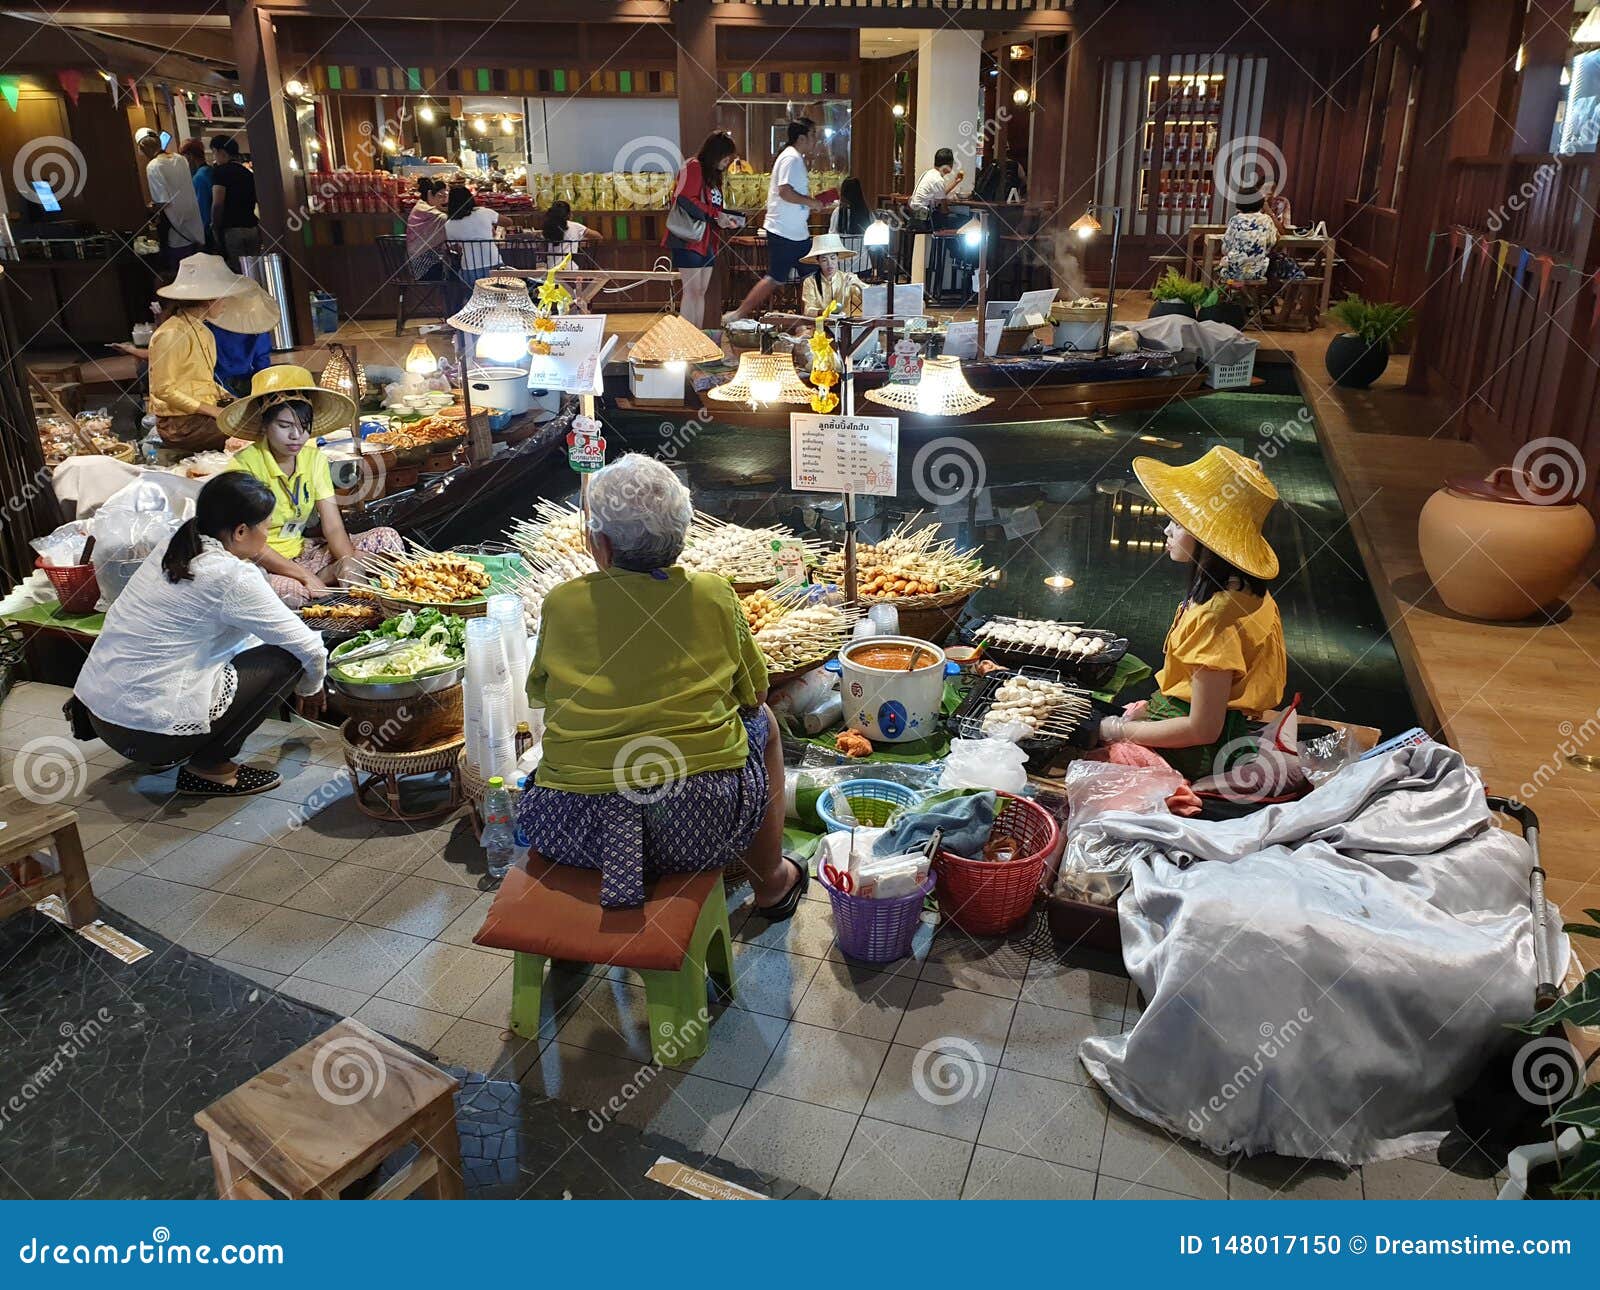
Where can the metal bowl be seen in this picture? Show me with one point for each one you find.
(399, 689)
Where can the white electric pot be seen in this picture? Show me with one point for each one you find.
(892, 706)
(500, 389)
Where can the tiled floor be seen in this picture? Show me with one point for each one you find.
(952, 1074)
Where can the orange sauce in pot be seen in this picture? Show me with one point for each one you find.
(890, 658)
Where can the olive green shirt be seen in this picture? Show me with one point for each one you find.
(641, 680)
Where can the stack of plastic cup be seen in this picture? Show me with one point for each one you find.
(488, 721)
(505, 610)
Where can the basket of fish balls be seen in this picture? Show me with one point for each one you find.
(1085, 655)
(1036, 710)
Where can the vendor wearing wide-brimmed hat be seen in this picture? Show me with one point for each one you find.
(241, 327)
(185, 398)
(1225, 663)
(284, 413)
(833, 283)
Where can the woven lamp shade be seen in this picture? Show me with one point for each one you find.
(673, 339)
(763, 378)
(490, 294)
(942, 391)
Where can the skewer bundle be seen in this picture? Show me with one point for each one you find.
(1045, 707)
(740, 554)
(553, 550)
(795, 635)
(913, 568)
(1044, 637)
(421, 577)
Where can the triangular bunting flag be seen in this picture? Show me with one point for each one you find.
(71, 81)
(115, 90)
(1427, 262)
(205, 103)
(1466, 255)
(1522, 264)
(1500, 259)
(1545, 264)
(133, 89)
(10, 87)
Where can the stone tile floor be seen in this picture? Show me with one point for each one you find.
(952, 1074)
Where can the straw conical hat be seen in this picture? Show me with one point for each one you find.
(1222, 499)
(674, 339)
(204, 277)
(283, 383)
(248, 312)
(825, 244)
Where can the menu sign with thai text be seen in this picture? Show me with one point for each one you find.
(844, 454)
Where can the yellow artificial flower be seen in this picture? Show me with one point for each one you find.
(552, 295)
(823, 402)
(824, 376)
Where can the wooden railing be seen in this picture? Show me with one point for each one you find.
(1518, 358)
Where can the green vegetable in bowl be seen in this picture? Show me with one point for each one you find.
(424, 641)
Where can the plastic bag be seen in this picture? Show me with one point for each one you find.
(1094, 868)
(132, 522)
(985, 763)
(63, 547)
(1323, 756)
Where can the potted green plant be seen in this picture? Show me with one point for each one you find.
(1223, 306)
(1575, 1170)
(1175, 294)
(1358, 355)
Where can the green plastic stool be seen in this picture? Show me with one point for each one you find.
(675, 1001)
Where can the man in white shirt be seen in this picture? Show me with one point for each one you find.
(789, 207)
(933, 190)
(172, 192)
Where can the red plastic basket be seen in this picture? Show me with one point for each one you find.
(988, 896)
(75, 586)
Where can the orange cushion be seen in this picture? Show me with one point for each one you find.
(555, 910)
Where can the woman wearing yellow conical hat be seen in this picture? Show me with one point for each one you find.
(1225, 664)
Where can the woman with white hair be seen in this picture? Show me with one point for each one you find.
(660, 754)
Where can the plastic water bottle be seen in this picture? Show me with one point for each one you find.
(499, 836)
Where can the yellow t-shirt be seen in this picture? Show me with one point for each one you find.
(1234, 632)
(641, 680)
(296, 496)
(183, 363)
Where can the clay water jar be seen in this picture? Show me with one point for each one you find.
(1503, 547)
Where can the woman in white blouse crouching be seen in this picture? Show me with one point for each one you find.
(177, 676)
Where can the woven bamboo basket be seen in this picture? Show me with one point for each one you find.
(928, 618)
(402, 725)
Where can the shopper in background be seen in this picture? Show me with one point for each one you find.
(850, 220)
(197, 652)
(564, 234)
(194, 152)
(233, 203)
(697, 196)
(789, 206)
(472, 230)
(172, 196)
(932, 193)
(425, 235)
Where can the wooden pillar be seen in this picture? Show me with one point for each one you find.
(1546, 39)
(698, 87)
(1047, 157)
(872, 127)
(1081, 123)
(278, 191)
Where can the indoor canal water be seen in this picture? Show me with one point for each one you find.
(1057, 500)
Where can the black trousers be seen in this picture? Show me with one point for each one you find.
(266, 676)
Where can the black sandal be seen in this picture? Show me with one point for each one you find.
(785, 909)
(249, 781)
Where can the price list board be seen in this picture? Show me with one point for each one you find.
(844, 454)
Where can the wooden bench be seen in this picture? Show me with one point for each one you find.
(329, 1114)
(24, 882)
(549, 911)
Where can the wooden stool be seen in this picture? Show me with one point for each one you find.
(329, 1114)
(551, 911)
(383, 771)
(23, 882)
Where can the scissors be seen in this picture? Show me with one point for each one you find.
(838, 879)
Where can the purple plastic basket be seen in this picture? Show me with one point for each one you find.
(877, 931)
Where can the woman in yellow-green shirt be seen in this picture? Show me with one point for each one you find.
(660, 754)
(284, 413)
(1224, 664)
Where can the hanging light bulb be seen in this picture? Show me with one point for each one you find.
(427, 113)
(505, 336)
(480, 125)
(898, 110)
(1020, 96)
(294, 89)
(389, 145)
(877, 235)
(421, 361)
(506, 127)
(972, 231)
(1086, 225)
